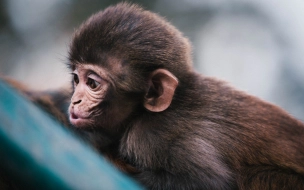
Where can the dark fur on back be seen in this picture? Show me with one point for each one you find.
(212, 136)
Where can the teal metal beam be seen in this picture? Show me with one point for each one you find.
(38, 153)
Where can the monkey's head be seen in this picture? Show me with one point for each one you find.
(124, 61)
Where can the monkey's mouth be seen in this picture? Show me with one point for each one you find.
(78, 120)
(74, 116)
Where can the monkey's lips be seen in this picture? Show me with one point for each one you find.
(78, 120)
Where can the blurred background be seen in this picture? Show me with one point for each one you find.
(256, 45)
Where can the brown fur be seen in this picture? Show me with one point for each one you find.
(210, 137)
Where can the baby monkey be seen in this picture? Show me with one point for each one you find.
(139, 101)
(135, 92)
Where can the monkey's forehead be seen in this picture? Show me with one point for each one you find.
(99, 70)
(114, 64)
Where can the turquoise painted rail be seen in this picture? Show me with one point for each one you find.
(38, 153)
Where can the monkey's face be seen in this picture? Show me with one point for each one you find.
(90, 88)
(101, 100)
(96, 102)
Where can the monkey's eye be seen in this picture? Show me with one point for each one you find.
(92, 83)
(75, 78)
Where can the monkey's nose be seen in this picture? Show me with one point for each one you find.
(76, 102)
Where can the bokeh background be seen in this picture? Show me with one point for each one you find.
(256, 45)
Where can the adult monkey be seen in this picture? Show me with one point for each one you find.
(136, 92)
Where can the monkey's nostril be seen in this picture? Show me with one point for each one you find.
(77, 102)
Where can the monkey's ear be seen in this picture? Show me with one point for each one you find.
(161, 90)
